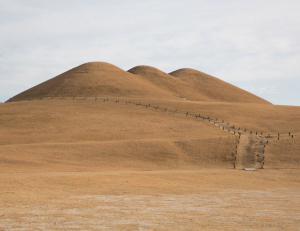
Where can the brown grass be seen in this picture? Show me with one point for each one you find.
(67, 135)
(283, 154)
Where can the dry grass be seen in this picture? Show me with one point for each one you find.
(283, 154)
(66, 135)
(151, 200)
(253, 117)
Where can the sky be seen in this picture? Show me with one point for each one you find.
(254, 44)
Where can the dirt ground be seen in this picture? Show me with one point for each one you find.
(151, 200)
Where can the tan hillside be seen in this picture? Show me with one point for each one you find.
(214, 88)
(94, 79)
(67, 135)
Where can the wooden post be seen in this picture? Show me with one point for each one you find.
(289, 134)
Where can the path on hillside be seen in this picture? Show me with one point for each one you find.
(250, 146)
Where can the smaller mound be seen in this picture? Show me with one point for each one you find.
(214, 88)
(161, 79)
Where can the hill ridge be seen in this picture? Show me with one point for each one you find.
(105, 79)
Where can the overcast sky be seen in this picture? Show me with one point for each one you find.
(252, 44)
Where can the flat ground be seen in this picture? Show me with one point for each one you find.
(90, 165)
(151, 200)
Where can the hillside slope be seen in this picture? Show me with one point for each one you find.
(77, 135)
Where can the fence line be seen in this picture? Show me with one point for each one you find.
(215, 121)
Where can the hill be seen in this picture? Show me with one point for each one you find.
(195, 85)
(99, 79)
(214, 88)
(94, 79)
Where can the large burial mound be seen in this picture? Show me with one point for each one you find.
(99, 79)
(94, 79)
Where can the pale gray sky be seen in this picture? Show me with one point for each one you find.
(252, 44)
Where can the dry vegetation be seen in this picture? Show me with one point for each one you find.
(89, 165)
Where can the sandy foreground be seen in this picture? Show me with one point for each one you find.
(205, 199)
